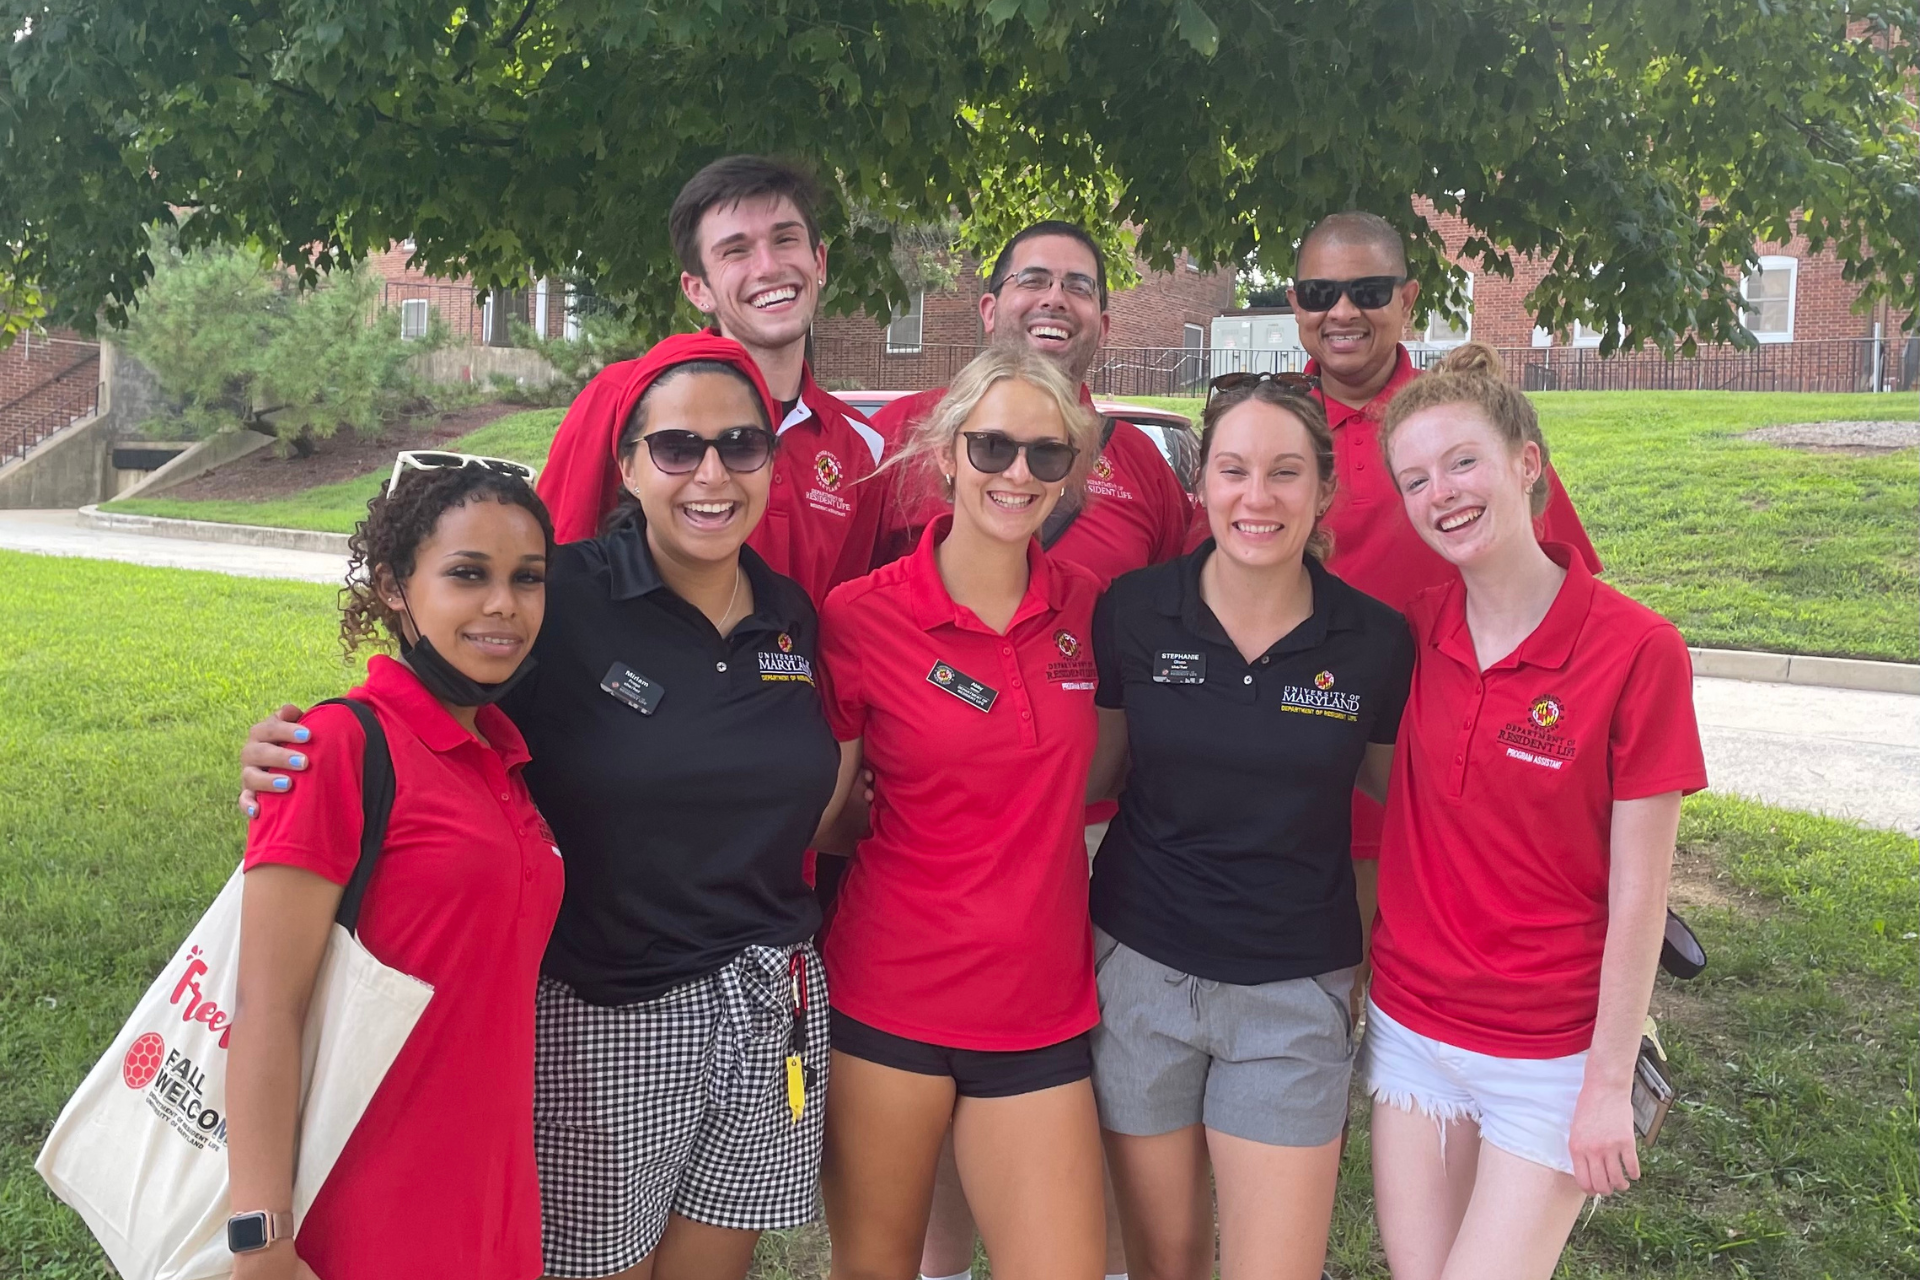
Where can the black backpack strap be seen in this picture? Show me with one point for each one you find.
(1062, 517)
(376, 805)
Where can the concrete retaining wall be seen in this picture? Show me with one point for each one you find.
(68, 469)
(214, 451)
(479, 365)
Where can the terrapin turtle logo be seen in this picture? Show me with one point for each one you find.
(1065, 642)
(1102, 469)
(827, 468)
(143, 1060)
(1324, 680)
(786, 643)
(1545, 712)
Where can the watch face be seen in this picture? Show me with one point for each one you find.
(246, 1232)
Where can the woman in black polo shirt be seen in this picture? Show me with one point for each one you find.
(1251, 690)
(682, 757)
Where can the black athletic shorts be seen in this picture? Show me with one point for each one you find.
(976, 1073)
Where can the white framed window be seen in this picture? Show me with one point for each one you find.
(1541, 337)
(1451, 331)
(540, 307)
(904, 334)
(1585, 335)
(414, 315)
(1769, 291)
(570, 322)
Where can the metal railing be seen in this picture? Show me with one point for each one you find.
(1840, 364)
(22, 431)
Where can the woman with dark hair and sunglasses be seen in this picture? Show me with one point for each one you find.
(438, 1178)
(683, 758)
(960, 953)
(1251, 690)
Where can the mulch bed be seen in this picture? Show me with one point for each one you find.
(261, 476)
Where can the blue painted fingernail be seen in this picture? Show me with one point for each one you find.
(281, 784)
(302, 733)
(253, 811)
(296, 761)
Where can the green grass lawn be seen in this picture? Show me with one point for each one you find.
(1744, 545)
(1790, 1155)
(335, 508)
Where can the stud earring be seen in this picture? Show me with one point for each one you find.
(946, 486)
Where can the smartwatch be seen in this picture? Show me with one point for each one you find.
(251, 1232)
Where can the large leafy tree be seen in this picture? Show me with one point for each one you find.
(1642, 149)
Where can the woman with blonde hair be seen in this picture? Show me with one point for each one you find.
(961, 957)
(1547, 740)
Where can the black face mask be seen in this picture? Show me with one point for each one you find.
(447, 682)
(450, 684)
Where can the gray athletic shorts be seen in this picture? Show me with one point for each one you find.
(1269, 1063)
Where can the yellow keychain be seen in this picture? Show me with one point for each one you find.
(797, 1037)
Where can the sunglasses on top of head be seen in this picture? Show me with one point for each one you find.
(435, 460)
(1369, 293)
(1298, 383)
(1048, 461)
(741, 449)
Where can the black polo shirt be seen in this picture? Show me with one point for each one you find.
(683, 827)
(1230, 858)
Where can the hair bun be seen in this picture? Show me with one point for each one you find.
(1471, 358)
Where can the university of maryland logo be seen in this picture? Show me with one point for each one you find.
(943, 673)
(1102, 469)
(1324, 680)
(826, 468)
(1065, 642)
(785, 642)
(1545, 712)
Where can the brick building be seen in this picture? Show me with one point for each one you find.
(47, 380)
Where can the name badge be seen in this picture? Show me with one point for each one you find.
(962, 686)
(632, 688)
(1180, 668)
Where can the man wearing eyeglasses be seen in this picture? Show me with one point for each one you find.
(1048, 289)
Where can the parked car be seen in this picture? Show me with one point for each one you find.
(1172, 433)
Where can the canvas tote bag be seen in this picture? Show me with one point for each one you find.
(140, 1149)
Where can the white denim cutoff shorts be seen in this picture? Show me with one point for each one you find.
(1524, 1106)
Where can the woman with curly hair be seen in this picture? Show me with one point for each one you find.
(450, 566)
(683, 757)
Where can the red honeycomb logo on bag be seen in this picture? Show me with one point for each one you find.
(143, 1060)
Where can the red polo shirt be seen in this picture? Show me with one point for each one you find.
(438, 1179)
(819, 524)
(1495, 861)
(963, 918)
(1136, 512)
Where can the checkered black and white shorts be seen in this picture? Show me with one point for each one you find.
(675, 1105)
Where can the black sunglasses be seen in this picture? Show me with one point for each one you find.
(1298, 383)
(992, 452)
(741, 449)
(1369, 293)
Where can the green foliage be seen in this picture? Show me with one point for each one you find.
(237, 345)
(1643, 151)
(20, 302)
(606, 336)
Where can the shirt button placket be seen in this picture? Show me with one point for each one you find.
(1010, 664)
(1459, 779)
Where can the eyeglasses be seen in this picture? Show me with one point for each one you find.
(741, 449)
(1369, 293)
(1039, 280)
(1298, 383)
(993, 452)
(433, 460)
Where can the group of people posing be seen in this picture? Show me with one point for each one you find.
(748, 767)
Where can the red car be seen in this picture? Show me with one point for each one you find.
(1172, 433)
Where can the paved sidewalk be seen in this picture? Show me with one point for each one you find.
(60, 533)
(1837, 751)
